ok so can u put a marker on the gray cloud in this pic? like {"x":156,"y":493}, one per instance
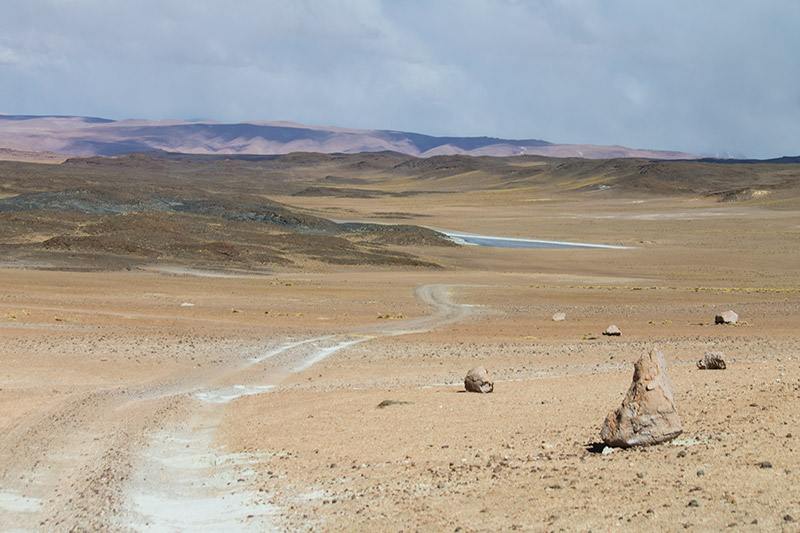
{"x":705,"y":77}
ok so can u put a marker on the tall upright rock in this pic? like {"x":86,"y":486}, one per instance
{"x":647,"y":414}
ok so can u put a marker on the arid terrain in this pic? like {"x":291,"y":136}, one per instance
{"x":280,"y":344}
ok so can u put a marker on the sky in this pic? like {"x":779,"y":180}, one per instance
{"x":710,"y":77}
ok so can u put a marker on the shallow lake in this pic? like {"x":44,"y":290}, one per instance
{"x":509,"y":242}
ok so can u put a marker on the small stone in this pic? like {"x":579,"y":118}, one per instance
{"x":479,"y":380}
{"x":728,"y":317}
{"x":712,"y":361}
{"x":765,"y":464}
{"x":701,"y":473}
{"x":682,"y":453}
{"x":788,"y":518}
{"x":612,"y":331}
{"x":693,"y":503}
{"x":559,"y":317}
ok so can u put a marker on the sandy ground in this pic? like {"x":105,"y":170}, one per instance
{"x":179,"y":399}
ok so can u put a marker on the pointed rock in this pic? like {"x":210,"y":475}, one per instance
{"x":712,"y":361}
{"x":728,"y":317}
{"x":612,"y":331}
{"x":478,"y":380}
{"x":647,"y":414}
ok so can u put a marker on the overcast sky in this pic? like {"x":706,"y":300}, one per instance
{"x":702,"y":76}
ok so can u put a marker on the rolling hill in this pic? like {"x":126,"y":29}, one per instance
{"x":89,"y":136}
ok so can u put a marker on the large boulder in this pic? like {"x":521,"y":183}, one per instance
{"x":712,"y":361}
{"x":478,"y":380}
{"x":728,"y":317}
{"x":647,"y":414}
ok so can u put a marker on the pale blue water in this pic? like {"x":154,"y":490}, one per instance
{"x":508,"y":242}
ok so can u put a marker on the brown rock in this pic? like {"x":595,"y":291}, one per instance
{"x":728,"y":317}
{"x":479,"y":380}
{"x":647,"y":414}
{"x":712,"y":361}
{"x":558,"y":317}
{"x":613,"y":331}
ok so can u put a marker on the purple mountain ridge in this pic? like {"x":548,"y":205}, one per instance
{"x":88,"y":136}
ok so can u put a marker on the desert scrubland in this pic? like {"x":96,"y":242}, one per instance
{"x":241,"y":362}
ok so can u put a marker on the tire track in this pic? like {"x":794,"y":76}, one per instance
{"x":184,"y":483}
{"x":129,"y":458}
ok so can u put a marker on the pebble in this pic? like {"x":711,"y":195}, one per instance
{"x":701,"y":473}
{"x":693,"y":503}
{"x":682,"y":453}
{"x":765,"y":464}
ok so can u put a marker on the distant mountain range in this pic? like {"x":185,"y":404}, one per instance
{"x":89,"y":136}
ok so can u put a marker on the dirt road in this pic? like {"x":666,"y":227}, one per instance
{"x":143,"y":456}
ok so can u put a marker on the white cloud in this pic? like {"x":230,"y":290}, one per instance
{"x":687,"y":75}
{"x":9,"y":56}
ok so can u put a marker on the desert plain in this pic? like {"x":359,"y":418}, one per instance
{"x":206,"y":389}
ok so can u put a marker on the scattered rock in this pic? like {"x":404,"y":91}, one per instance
{"x":693,"y":503}
{"x":647,"y":415}
{"x":728,"y":317}
{"x":479,"y":380}
{"x":558,"y":317}
{"x":765,"y":464}
{"x":712,"y":361}
{"x":612,"y":331}
{"x":788,"y":518}
{"x":387,"y":403}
